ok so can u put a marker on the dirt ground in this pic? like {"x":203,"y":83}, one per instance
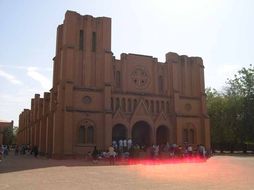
{"x":219,"y":172}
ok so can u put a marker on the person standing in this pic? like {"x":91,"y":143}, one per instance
{"x":36,"y":151}
{"x":129,"y":142}
{"x":95,"y":155}
{"x":124,"y":145}
{"x":156,"y":151}
{"x":17,"y":150}
{"x":121,"y":145}
{"x":5,"y":151}
{"x":1,"y":152}
{"x":189,"y":151}
{"x":114,"y":144}
{"x":112,"y":155}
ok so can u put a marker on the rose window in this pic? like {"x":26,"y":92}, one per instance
{"x":140,"y":78}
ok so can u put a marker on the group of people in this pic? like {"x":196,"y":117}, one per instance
{"x":110,"y":154}
{"x":117,"y":148}
{"x":187,"y":150}
{"x":128,"y":148}
{"x":4,"y":149}
{"x":123,"y":144}
{"x":26,"y":148}
{"x":124,"y":149}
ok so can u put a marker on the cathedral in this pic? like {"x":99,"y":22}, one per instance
{"x":96,"y":98}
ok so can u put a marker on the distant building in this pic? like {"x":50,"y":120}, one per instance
{"x":3,"y":126}
{"x":97,"y":98}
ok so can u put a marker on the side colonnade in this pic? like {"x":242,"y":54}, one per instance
{"x":36,"y":125}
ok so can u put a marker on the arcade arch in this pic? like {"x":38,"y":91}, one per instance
{"x":119,"y":132}
{"x":141,"y":133}
{"x":162,"y":135}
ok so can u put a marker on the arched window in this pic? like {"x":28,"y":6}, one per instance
{"x":86,"y":132}
{"x":157,"y":107}
{"x":90,"y":134}
{"x":191,"y":136}
{"x":129,"y":105}
{"x":82,"y":134}
{"x":118,"y":79}
{"x":152,"y":106}
{"x":123,"y":106}
{"x":117,"y":103}
{"x":185,"y":135}
{"x":161,"y":84}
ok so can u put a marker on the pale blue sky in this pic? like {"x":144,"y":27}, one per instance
{"x":219,"y":31}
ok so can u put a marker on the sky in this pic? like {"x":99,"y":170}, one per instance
{"x":219,"y":31}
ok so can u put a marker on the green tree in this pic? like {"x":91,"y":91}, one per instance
{"x":242,"y":87}
{"x":8,"y":135}
{"x":216,"y":105}
{"x":232,"y":112}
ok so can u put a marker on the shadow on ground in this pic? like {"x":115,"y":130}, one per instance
{"x":15,"y":163}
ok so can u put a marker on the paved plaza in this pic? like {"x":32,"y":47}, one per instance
{"x":219,"y":172}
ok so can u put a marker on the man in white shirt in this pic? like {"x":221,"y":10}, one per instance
{"x":125,"y":145}
{"x":189,"y":150}
{"x":129,"y":144}
{"x":112,"y":155}
{"x":121,"y":145}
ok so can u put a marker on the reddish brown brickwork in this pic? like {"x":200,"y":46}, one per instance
{"x":96,"y":98}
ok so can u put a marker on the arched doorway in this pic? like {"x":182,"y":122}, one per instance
{"x":162,"y":135}
{"x":119,"y":131}
{"x":141,"y":133}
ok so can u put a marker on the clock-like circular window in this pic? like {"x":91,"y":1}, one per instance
{"x":87,"y":99}
{"x":140,"y":78}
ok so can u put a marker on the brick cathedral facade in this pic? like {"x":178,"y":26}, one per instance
{"x":96,"y":98}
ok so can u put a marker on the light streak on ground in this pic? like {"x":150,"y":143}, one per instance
{"x":212,"y":172}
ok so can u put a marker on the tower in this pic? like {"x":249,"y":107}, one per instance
{"x":82,"y":63}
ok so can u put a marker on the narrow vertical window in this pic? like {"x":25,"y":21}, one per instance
{"x":152,"y":107}
{"x":161,"y":84}
{"x":147,"y":104}
{"x":163,"y":106}
{"x":157,"y":107}
{"x":114,"y":72}
{"x":135,"y":104}
{"x":117,"y":103}
{"x":90,"y":135}
{"x":191,"y":136}
{"x":94,"y":41}
{"x":123,"y":105}
{"x":81,"y":39}
{"x":168,"y":107}
{"x":118,"y":79}
{"x":112,"y":104}
{"x":185,"y":135}
{"x":129,"y":105}
{"x":82,"y":134}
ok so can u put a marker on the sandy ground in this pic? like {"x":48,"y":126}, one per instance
{"x":219,"y":172}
